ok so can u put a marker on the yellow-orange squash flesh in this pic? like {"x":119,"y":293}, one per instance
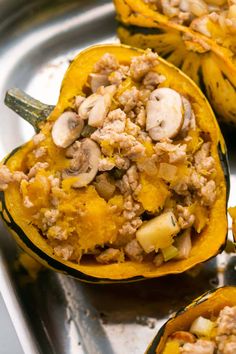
{"x":209,"y":242}
{"x":208,"y":305}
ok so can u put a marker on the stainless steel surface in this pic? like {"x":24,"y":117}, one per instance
{"x":56,"y":314}
{"x":9,"y":342}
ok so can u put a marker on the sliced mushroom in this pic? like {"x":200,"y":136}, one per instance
{"x":87,"y":105}
{"x":78,"y":100}
{"x":187,"y":115}
{"x":84,"y":165}
{"x":67,"y":129}
{"x":96,"y":106}
{"x":164,"y":114}
{"x":71,"y":151}
{"x":98,"y":80}
{"x":99,"y":111}
{"x":189,"y":118}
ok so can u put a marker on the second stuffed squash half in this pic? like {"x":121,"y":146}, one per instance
{"x":207,"y":325}
{"x":197,"y":36}
{"x":126,"y":179}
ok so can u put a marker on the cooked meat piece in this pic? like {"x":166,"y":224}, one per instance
{"x":108,"y":256}
{"x":200,"y":347}
{"x":134,"y":251}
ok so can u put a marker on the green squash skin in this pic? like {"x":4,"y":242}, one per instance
{"x":153,"y":346}
{"x":59,"y":266}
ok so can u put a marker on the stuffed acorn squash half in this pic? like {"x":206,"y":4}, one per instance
{"x":126,"y":178}
{"x":207,"y":326}
{"x":198,"y":36}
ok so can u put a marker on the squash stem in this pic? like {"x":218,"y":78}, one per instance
{"x":30,"y":109}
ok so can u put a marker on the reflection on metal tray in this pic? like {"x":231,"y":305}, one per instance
{"x":56,"y":314}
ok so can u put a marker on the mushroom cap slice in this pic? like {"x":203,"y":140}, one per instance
{"x":96,"y":106}
{"x":99,"y":111}
{"x":164,"y":114}
{"x":87,"y":105}
{"x":66,"y":129}
{"x":89,"y":168}
{"x":189,"y":117}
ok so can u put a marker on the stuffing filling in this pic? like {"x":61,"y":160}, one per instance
{"x":199,"y":14}
{"x":206,"y":336}
{"x":126,"y":174}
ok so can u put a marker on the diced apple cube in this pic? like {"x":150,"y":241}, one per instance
{"x":202,"y":327}
{"x":158,"y":232}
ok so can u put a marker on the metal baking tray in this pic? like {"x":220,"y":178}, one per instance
{"x":56,"y":314}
